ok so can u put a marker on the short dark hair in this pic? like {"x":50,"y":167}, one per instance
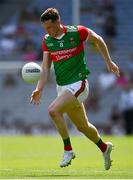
{"x":50,"y":13}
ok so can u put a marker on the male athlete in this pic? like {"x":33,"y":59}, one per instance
{"x":63,"y":46}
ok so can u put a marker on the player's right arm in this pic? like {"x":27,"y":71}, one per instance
{"x":37,"y":93}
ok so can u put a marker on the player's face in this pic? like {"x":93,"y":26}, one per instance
{"x":52,"y":28}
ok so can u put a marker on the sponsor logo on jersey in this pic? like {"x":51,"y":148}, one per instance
{"x":63,"y":52}
{"x":50,"y":44}
{"x":66,"y":54}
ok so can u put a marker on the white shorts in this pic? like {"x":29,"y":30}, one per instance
{"x":79,"y":89}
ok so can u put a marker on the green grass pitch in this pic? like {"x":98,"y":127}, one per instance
{"x":39,"y":157}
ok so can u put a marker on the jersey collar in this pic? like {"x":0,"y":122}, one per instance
{"x":64,"y":32}
{"x":64,"y":28}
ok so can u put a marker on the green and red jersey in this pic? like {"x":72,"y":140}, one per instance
{"x":67,"y":54}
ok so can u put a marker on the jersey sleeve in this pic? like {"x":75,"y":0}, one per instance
{"x":44,"y":47}
{"x":83,"y":32}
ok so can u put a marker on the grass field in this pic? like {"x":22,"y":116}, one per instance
{"x":39,"y":157}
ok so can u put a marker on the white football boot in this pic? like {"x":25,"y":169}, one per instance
{"x":67,"y":158}
{"x":106,"y":156}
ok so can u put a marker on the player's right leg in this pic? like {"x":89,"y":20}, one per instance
{"x":79,"y":118}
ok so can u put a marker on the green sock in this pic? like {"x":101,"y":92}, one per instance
{"x":67,"y":144}
{"x":102,"y":146}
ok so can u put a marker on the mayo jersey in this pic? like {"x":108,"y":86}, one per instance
{"x":67,"y":54}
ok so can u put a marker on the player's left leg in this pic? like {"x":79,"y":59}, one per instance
{"x":79,"y":118}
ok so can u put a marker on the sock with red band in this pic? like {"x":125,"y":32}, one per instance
{"x":102,"y":146}
{"x":67,"y":144}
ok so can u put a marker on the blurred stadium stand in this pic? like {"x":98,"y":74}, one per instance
{"x":20,"y":41}
{"x":7,"y":8}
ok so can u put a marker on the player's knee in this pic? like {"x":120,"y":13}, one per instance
{"x":52,"y":110}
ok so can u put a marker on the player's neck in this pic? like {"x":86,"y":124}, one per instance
{"x":60,"y":32}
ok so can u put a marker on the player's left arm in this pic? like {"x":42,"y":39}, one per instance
{"x":102,"y":48}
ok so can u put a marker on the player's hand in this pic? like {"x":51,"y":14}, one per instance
{"x":36,"y":97}
{"x":112,"y":67}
